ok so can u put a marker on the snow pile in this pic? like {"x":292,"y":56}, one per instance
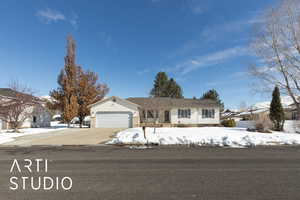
{"x":8,"y":136}
{"x":207,"y":136}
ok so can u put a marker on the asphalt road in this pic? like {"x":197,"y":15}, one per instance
{"x":101,"y":172}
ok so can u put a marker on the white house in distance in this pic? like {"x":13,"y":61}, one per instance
{"x":115,"y":112}
{"x":262,"y":109}
{"x":40,"y":116}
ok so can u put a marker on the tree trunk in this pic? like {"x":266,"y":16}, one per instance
{"x":81,"y":121}
{"x":298,"y":112}
{"x":14,"y":126}
{"x":282,"y":126}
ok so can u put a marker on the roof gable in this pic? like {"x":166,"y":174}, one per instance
{"x":123,"y":102}
{"x":7,"y":92}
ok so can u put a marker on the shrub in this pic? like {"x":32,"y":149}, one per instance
{"x":182,"y":125}
{"x":276,"y":111}
{"x":263,"y":124}
{"x":229,"y":123}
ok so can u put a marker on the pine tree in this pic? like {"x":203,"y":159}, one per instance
{"x":165,"y":87}
{"x":173,"y":90}
{"x":160,"y":84}
{"x":213,"y":95}
{"x":276,"y":111}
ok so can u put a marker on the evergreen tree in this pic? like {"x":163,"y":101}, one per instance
{"x":213,"y":95}
{"x":165,"y":87}
{"x":173,"y":90}
{"x":276,"y":111}
{"x":160,"y":84}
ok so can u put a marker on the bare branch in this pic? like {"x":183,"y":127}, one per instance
{"x":277,"y":45}
{"x":17,"y":106}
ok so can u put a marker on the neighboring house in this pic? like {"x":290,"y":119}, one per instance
{"x":40,"y":116}
{"x":251,"y":114}
{"x":292,"y":112}
{"x":289,"y":114}
{"x":228,"y":114}
{"x":55,"y":113}
{"x":263,"y":109}
{"x":134,"y":112}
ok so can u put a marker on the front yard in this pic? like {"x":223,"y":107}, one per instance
{"x":207,"y":136}
{"x":9,"y":136}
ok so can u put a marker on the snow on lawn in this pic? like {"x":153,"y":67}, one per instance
{"x":207,"y":136}
{"x":8,"y":136}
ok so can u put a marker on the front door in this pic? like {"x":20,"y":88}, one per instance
{"x":167,"y":116}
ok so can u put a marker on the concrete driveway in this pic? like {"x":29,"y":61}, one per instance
{"x":72,"y":136}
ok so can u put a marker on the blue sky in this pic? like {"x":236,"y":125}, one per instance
{"x":203,"y":44}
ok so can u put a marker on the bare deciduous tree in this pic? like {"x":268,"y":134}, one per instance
{"x":278,"y":46}
{"x":16,"y":107}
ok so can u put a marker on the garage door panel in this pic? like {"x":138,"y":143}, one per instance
{"x":113,"y":120}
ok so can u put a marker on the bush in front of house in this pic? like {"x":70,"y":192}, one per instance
{"x":229,"y":123}
{"x":263,"y":124}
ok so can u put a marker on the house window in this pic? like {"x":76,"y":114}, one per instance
{"x":184,"y":113}
{"x":294,"y":116}
{"x":151,"y":114}
{"x":208,"y":113}
{"x":34,"y":119}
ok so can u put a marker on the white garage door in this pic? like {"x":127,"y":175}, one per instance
{"x":113,"y":120}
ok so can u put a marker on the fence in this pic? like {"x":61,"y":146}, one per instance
{"x":290,"y":126}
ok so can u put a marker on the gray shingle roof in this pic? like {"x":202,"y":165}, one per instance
{"x":7,"y":92}
{"x":168,"y":103}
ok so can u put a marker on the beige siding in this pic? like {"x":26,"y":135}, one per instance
{"x":111,"y":106}
{"x":136,"y":121}
{"x":215,"y":120}
{"x":118,"y":105}
{"x":196,"y":117}
{"x":192,"y":120}
{"x":93,"y":122}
